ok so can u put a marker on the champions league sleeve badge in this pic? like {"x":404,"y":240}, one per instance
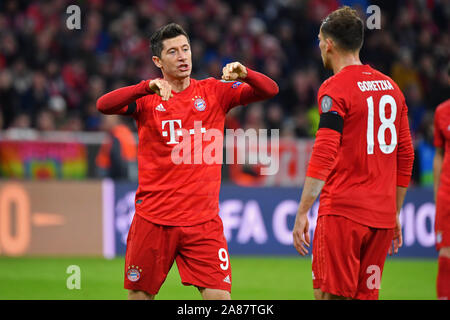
{"x":326,"y":104}
{"x":236,"y":84}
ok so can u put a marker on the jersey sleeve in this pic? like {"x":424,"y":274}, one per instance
{"x":332,"y":110}
{"x":331,"y":100}
{"x":136,"y":107}
{"x":324,"y":154}
{"x":438,"y":136}
{"x":405,"y":153}
{"x":229,"y":93}
{"x":257,"y":87}
{"x":122,"y":101}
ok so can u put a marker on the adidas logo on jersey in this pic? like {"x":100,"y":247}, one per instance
{"x":227,"y":279}
{"x":160,"y":107}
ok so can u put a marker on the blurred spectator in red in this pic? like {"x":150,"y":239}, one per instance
{"x":75,"y":78}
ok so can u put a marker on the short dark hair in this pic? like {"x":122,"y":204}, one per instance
{"x":168,"y":31}
{"x":345,"y":27}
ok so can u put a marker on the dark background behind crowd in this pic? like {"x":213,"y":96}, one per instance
{"x":51,"y":76}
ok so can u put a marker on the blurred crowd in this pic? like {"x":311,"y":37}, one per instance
{"x":51,"y":76}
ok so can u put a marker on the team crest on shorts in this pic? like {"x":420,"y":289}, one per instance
{"x":199,"y":103}
{"x":134,"y":273}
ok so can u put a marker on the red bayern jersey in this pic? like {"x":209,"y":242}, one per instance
{"x":363,"y":165}
{"x":180,"y":194}
{"x":442,"y":140}
{"x":184,"y":191}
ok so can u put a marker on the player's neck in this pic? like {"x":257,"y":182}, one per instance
{"x":342,"y":61}
{"x":178,"y":85}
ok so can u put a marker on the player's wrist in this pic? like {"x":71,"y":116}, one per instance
{"x":244,"y":73}
{"x":302,"y":210}
{"x":148,"y":88}
{"x":301,"y":214}
{"x":248,"y":74}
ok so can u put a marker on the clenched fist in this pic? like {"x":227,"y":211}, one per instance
{"x":162,"y":88}
{"x":234,"y":71}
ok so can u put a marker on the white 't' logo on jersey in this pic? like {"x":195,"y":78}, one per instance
{"x":174,"y":133}
{"x":171,"y":133}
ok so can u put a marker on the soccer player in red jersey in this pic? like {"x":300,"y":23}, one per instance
{"x":177,"y":204}
{"x":361,"y":164}
{"x":441,"y":170}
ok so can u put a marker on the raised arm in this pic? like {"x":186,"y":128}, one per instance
{"x":120,"y":101}
{"x":259,"y":86}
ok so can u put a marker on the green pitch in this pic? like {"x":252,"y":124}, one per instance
{"x":287,"y":278}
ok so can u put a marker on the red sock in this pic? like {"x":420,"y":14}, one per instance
{"x":443,"y":279}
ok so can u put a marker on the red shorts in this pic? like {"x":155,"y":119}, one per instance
{"x":442,"y":221}
{"x":348,"y":257}
{"x":200,"y":251}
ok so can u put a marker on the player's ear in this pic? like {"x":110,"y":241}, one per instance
{"x":157,"y":61}
{"x":329,"y":44}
